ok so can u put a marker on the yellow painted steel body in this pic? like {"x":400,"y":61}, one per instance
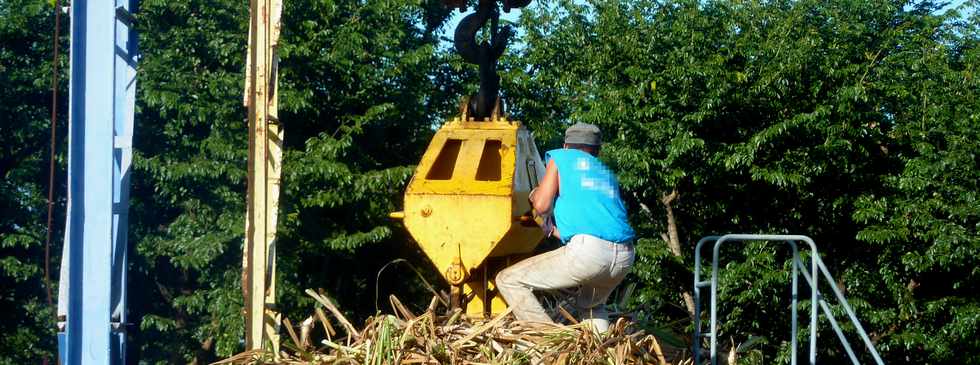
{"x":465,"y":202}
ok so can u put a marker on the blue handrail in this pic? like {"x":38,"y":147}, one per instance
{"x":815,"y":264}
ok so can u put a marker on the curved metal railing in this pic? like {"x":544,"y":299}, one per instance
{"x":811,"y":278}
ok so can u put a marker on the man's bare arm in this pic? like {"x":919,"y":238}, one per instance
{"x":543,"y":197}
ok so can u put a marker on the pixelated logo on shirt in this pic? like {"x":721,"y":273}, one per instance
{"x":602,"y":182}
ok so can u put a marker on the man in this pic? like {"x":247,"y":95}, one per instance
{"x":590,"y":220}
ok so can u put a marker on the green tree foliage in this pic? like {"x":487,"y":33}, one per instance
{"x":26,"y":322}
{"x":924,"y":221}
{"x":852,"y":122}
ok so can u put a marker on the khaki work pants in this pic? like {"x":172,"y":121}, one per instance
{"x":593,"y":265}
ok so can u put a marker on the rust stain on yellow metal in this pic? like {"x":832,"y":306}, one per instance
{"x":464,"y":203}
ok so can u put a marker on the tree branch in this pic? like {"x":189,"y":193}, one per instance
{"x":674,"y":242}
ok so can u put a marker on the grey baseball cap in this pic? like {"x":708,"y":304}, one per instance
{"x":583,"y":133}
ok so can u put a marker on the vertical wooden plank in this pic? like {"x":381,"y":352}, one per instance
{"x":273,"y":176}
{"x":256,"y":234}
{"x":265,"y":170}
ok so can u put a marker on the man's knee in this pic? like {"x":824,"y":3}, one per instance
{"x":506,"y":278}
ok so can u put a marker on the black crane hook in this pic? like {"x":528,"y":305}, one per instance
{"x":486,"y":53}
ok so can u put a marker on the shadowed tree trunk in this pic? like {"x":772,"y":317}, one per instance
{"x":672,"y":239}
{"x":674,"y":242}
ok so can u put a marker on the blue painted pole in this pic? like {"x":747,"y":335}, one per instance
{"x":124,"y":97}
{"x":90,"y":184}
{"x":102,"y":94}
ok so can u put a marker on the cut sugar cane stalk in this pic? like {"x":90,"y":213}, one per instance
{"x":457,"y":339}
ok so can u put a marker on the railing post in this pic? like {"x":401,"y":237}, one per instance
{"x":698,"y":284}
{"x":847,"y":309}
{"x":830,"y":317}
{"x":794,"y":326}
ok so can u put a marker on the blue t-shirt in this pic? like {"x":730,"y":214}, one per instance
{"x":588,"y":199}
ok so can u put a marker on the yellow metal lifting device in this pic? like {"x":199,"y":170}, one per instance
{"x":265,"y":137}
{"x":467,"y":206}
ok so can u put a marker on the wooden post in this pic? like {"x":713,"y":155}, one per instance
{"x":264,"y":171}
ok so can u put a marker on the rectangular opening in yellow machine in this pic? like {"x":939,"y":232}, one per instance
{"x":489,"y":168}
{"x":445,"y":164}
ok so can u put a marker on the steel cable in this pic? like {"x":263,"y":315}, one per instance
{"x":54,"y":123}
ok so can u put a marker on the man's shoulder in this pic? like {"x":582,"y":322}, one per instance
{"x":556,"y":151}
{"x":565,"y":153}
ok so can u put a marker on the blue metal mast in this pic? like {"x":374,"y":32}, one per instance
{"x":92,"y":293}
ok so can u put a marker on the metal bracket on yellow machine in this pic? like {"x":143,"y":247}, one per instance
{"x":456,"y":275}
{"x":467,"y":113}
{"x":486,"y":53}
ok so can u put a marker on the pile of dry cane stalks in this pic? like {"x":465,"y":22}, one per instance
{"x":438,"y":337}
